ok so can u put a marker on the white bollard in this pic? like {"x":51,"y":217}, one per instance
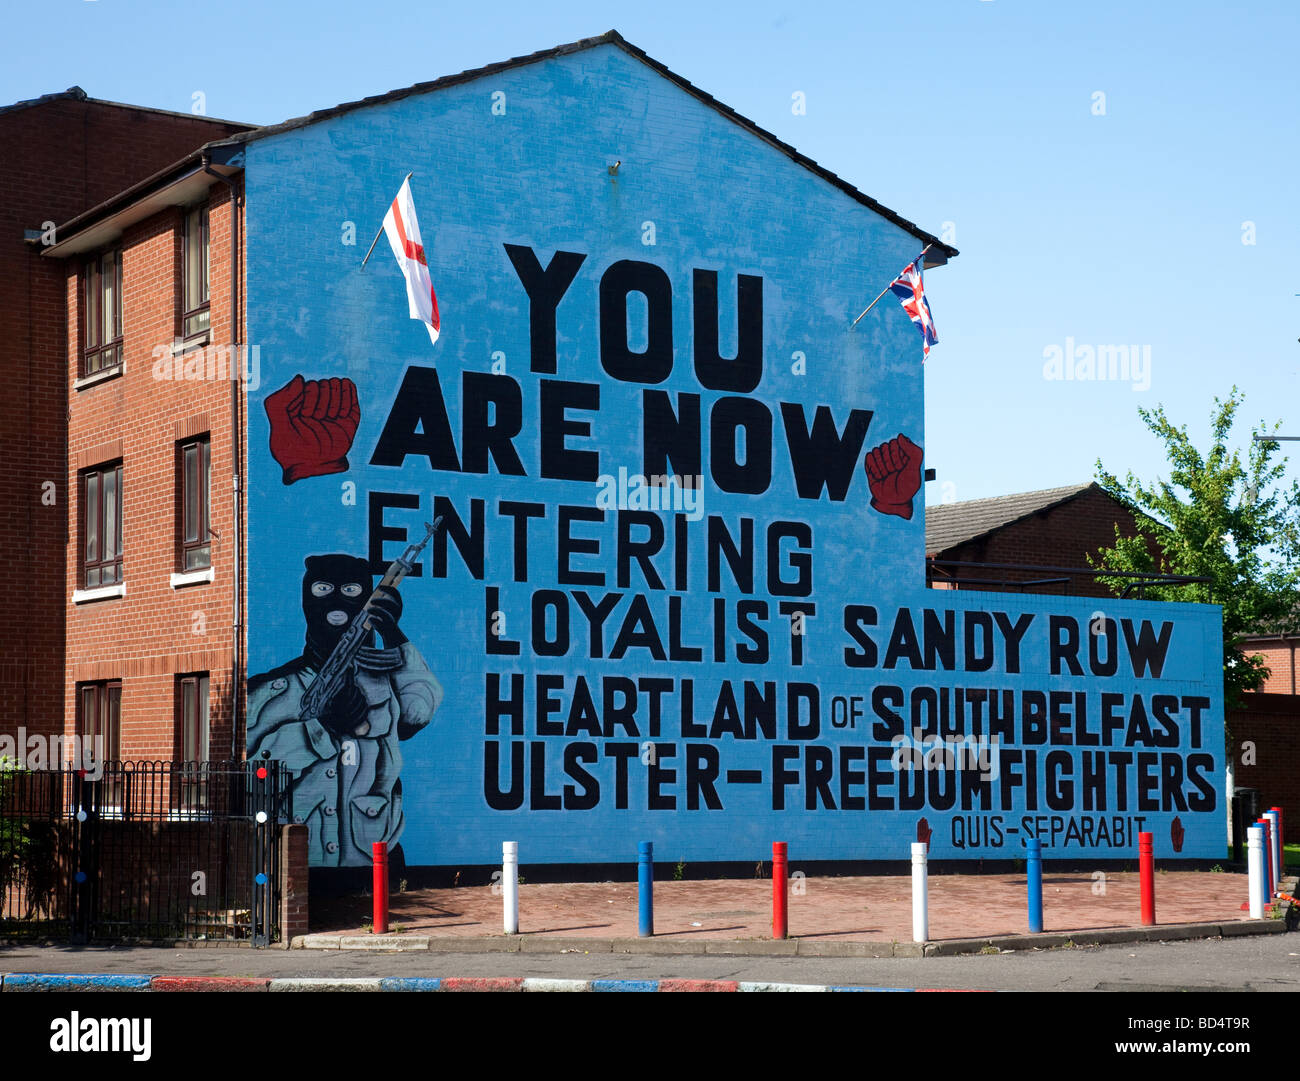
{"x":510,"y":885}
{"x":1256,"y":871}
{"x":1229,"y":788}
{"x":920,"y":900}
{"x":1275,"y":836}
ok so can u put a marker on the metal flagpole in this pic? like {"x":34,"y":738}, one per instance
{"x":881,"y":293}
{"x":371,"y":249}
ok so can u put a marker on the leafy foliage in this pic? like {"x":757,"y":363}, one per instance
{"x":26,"y":848}
{"x":1220,"y":517}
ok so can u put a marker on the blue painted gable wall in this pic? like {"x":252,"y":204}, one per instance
{"x":535,"y":173}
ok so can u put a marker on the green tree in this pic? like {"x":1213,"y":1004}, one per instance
{"x":1220,"y":517}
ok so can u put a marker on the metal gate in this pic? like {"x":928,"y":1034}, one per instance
{"x":143,"y":851}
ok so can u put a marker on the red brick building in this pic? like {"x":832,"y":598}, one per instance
{"x":64,"y":154}
{"x":154,"y":607}
{"x":1052,"y":528}
{"x":1279,"y":652}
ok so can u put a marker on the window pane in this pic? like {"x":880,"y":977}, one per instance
{"x":117,"y":308}
{"x":189,"y":720}
{"x":193,"y":261}
{"x":92,"y":512}
{"x":112,"y":519}
{"x":203,"y":258}
{"x":196,"y":323}
{"x":202,"y":747}
{"x":113,"y":723}
{"x":205,"y":499}
{"x":192,"y":493}
{"x":92,"y":306}
{"x":108,"y":279}
{"x":86,"y":720}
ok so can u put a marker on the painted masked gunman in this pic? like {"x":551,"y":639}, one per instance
{"x":345,"y":760}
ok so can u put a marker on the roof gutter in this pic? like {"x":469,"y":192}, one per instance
{"x":180,"y":184}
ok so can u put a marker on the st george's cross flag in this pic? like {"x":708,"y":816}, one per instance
{"x":403,"y":231}
{"x":910,"y":289}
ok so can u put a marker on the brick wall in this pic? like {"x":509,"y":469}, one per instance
{"x":156,"y":631}
{"x":61,"y":158}
{"x":1061,"y":536}
{"x":294,"y":911}
{"x":1280,"y":656}
{"x":1266,"y":729}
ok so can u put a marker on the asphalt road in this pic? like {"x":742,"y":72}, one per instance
{"x":1262,"y":963}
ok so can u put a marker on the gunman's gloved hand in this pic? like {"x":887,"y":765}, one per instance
{"x":385,"y":610}
{"x":345,"y":713}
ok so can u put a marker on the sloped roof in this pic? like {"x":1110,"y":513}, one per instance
{"x":939,"y":252}
{"x":75,"y":93}
{"x":950,"y":524}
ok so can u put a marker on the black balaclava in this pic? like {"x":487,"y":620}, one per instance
{"x":350,"y":585}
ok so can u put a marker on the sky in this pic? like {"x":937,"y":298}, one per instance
{"x":1115,"y":174}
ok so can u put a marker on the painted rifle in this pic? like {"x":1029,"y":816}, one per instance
{"x":340,"y":665}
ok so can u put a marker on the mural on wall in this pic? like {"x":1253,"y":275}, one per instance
{"x":335,"y":714}
{"x":678,"y":590}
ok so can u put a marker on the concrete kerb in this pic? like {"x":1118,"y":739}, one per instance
{"x":41,"y":981}
{"x":803,"y":947}
{"x":384,"y":942}
{"x":538,"y":944}
{"x":314,"y":983}
{"x":494,"y":944}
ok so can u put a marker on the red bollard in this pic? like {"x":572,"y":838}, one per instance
{"x":380,"y":850}
{"x":1147,"y":873}
{"x":780,"y":926}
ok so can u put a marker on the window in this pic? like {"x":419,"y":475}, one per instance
{"x":195,"y":462}
{"x":101,"y":526}
{"x":99,"y":716}
{"x":102,"y":336}
{"x":194,"y":284}
{"x":192,"y":725}
{"x":99,"y":729}
{"x":192,"y":699}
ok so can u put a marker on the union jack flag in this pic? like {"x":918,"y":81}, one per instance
{"x":910,"y":289}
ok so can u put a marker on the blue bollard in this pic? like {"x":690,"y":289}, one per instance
{"x":645,"y":889}
{"x":1034,"y":875}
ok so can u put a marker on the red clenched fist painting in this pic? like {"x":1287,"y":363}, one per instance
{"x":1177,"y":833}
{"x":894,"y":473}
{"x":923,"y":831}
{"x":312,"y":425}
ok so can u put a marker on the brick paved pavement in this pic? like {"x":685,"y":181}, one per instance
{"x":870,"y":909}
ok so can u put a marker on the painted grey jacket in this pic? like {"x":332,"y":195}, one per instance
{"x":347,"y":789}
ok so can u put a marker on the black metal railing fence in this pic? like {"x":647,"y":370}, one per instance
{"x":143,"y":850}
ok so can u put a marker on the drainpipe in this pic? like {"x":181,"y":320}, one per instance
{"x":237,"y":453}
